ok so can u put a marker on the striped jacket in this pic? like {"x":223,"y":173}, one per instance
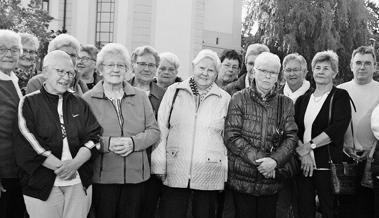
{"x":41,"y":136}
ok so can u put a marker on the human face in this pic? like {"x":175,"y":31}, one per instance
{"x":70,"y":51}
{"x":29,"y":54}
{"x":363,"y":67}
{"x":266,"y":75}
{"x":293,"y":74}
{"x":113,"y":69}
{"x":9,"y":54}
{"x":229,"y":70}
{"x":323,"y":73}
{"x":145,"y":67}
{"x":166,"y":72}
{"x":60,"y":75}
{"x":250,"y":60}
{"x":85,"y":64}
{"x":205,"y":73}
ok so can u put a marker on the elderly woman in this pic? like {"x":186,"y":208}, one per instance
{"x":27,"y":64}
{"x":260,"y":134}
{"x":168,"y":70}
{"x":86,"y":65}
{"x":71,"y":46}
{"x":56,"y":158}
{"x":129,"y":128}
{"x":191,"y":157}
{"x":319,"y":133}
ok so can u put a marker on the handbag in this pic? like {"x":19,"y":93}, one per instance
{"x":367,"y":180}
{"x":343,"y":175}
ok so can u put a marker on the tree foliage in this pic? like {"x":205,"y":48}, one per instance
{"x":309,"y":26}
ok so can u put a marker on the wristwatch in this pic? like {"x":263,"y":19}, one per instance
{"x":313,"y":145}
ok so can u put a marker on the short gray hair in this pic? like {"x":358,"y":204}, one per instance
{"x":11,"y":35}
{"x":64,"y":40}
{"x":146,"y":49}
{"x":256,"y":49}
{"x":296,"y":57}
{"x":207,"y":53}
{"x":171,"y":58}
{"x":29,"y":38}
{"x":329,"y":56}
{"x":113,"y":48}
{"x":54,"y":55}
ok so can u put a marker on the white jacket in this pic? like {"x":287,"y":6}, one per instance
{"x":193,"y":148}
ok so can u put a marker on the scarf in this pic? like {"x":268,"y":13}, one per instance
{"x":299,"y":92}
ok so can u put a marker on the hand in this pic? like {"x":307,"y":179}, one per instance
{"x":307,"y":165}
{"x":68,"y":170}
{"x":364,"y":155}
{"x":270,"y":175}
{"x":303,"y":149}
{"x":351,"y":152}
{"x":2,"y":189}
{"x":162,"y":177}
{"x":122,"y":146}
{"x":267,"y":164}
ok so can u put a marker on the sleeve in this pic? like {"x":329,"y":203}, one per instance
{"x":285,"y":150}
{"x":158,"y":156}
{"x":31,"y":150}
{"x":375,"y":122}
{"x":150,"y":135}
{"x":33,"y":85}
{"x":341,"y":116}
{"x":235,"y":141}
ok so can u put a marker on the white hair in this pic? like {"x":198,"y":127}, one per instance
{"x":56,"y":55}
{"x":170,"y":58}
{"x":63,"y":40}
{"x":27,"y":37}
{"x":207,"y":53}
{"x":113,"y":48}
{"x":9,"y":34}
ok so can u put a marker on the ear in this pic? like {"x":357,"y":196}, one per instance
{"x":45,"y":71}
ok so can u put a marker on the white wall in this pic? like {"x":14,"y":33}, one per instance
{"x":84,"y":15}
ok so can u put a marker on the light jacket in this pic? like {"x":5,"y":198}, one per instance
{"x":139,"y":124}
{"x":192,"y":151}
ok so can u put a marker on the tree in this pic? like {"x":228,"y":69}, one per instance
{"x":309,"y":26}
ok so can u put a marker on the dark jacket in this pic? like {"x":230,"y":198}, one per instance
{"x":40,"y":127}
{"x":236,"y":86}
{"x":250,"y":133}
{"x":341,"y":116}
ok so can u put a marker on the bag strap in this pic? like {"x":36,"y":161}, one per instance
{"x":172,"y":106}
{"x":329,"y":122}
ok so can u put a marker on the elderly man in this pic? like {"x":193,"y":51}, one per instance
{"x":11,"y":201}
{"x":231,"y":63}
{"x":260,"y":134}
{"x":363,"y":90}
{"x":59,"y":136}
{"x":71,"y":46}
{"x":245,"y":80}
{"x":27,"y":64}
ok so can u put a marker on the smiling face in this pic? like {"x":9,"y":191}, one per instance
{"x":85,"y":64}
{"x":205,"y":73}
{"x":29,"y":54}
{"x":293,"y":74}
{"x":59,"y":75}
{"x":145,"y":67}
{"x":363,"y":67}
{"x":323,"y":73}
{"x":9,"y":54}
{"x":166,"y":72}
{"x":113,"y":69}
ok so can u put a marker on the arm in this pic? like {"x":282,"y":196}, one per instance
{"x":234,"y":139}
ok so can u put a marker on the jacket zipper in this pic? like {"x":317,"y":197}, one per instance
{"x":194,"y":135}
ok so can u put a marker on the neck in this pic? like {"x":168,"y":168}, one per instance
{"x":262,"y":92}
{"x":322,"y":89}
{"x":221,"y":83}
{"x":112,"y":87}
{"x":87,"y":77}
{"x":363,"y":82}
{"x":163,"y":84}
{"x":295,"y":86}
{"x":142,"y":84}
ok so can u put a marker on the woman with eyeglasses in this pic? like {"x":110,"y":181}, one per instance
{"x":167,"y":72}
{"x":321,"y":130}
{"x":191,"y":156}
{"x":86,"y":65}
{"x":129,"y":128}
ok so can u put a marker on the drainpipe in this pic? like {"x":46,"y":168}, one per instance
{"x":64,"y":16}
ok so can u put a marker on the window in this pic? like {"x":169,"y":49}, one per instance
{"x":45,"y":5}
{"x":105,"y":10}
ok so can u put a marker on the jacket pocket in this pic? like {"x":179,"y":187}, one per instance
{"x":214,"y":158}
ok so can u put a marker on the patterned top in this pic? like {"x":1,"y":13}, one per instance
{"x":24,"y":75}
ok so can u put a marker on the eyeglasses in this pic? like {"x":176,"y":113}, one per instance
{"x":364,"y":63}
{"x":74,"y":56}
{"x":13,"y":51}
{"x":169,"y":69}
{"x":289,"y":70}
{"x":234,"y":67}
{"x":85,"y":59}
{"x":144,"y":64}
{"x":27,"y":51}
{"x":62,"y":73}
{"x":266,"y":72}
{"x":118,"y":66}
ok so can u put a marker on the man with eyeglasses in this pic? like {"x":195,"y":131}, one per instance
{"x":11,"y":201}
{"x":28,"y":60}
{"x":230,"y":65}
{"x":363,"y":90}
{"x":245,"y":80}
{"x":71,"y":46}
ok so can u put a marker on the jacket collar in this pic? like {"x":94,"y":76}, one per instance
{"x":98,"y":90}
{"x":155,"y":90}
{"x":215,"y":90}
{"x":258,"y":95}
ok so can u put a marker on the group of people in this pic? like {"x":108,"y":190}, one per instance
{"x":109,"y":134}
